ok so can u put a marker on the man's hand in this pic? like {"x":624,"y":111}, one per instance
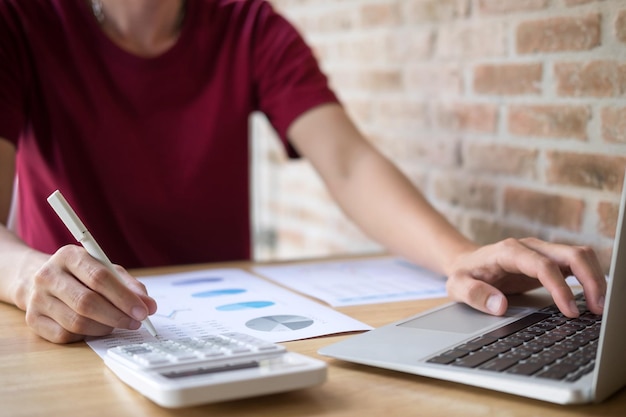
{"x":481,"y":278}
{"x":73,"y":296}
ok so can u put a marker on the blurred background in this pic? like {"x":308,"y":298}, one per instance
{"x":509,"y":115}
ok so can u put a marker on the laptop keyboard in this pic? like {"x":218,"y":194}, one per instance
{"x":545,"y":344}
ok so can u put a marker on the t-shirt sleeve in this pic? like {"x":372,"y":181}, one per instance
{"x":287,"y":76}
{"x":12,"y":73}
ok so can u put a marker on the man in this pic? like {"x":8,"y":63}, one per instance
{"x":138,"y":112}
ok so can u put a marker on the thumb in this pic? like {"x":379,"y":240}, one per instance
{"x":477,"y":294}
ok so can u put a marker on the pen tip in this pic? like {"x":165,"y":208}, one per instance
{"x":150,"y":327}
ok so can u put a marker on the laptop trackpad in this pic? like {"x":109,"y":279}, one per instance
{"x":457,"y":318}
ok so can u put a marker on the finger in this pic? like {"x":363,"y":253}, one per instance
{"x":139,"y":288}
{"x":61,"y":324}
{"x":38,"y":320}
{"x":583,"y":263}
{"x":518,"y":258}
{"x":50,"y":330}
{"x":74,"y":306}
{"x":463,"y":287}
{"x":86,"y":307}
{"x":95,"y":276}
{"x":89,"y":306}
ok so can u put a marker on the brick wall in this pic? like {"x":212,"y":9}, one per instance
{"x":510,"y":115}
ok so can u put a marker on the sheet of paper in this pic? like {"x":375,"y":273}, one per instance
{"x":213,"y":301}
{"x":352,"y":282}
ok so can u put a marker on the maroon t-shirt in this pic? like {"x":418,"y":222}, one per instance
{"x":152,"y":153}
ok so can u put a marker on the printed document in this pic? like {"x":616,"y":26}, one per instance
{"x":199,"y":303}
{"x":360,"y":281}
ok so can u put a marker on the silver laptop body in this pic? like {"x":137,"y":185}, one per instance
{"x":406,"y":345}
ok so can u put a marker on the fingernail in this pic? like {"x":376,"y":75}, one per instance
{"x":134,"y":325}
{"x":601,"y":301}
{"x":139,"y":313}
{"x":494,"y":302}
{"x":573,"y":307}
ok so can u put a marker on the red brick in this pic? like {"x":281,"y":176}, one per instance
{"x":620,"y":26}
{"x":501,"y":159}
{"x":411,"y":45}
{"x":400,"y":113}
{"x":614,"y":124}
{"x":590,"y":79}
{"x":367,"y":80}
{"x":427,"y":150}
{"x":424,"y":11}
{"x":573,"y":3}
{"x":559,"y":34}
{"x":602,"y":172}
{"x":490,"y":231}
{"x":434,"y":80}
{"x":380,"y":15}
{"x":467,"y":117}
{"x":472,"y":40}
{"x":508,"y":79}
{"x":386,"y":48}
{"x":549,"y":209}
{"x":507,"y":6}
{"x":331,"y":21}
{"x":607,"y":218}
{"x":549,"y":121}
{"x":465,"y":193}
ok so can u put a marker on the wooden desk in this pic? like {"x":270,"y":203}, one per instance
{"x":38,"y":378}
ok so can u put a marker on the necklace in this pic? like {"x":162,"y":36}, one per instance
{"x":98,"y":12}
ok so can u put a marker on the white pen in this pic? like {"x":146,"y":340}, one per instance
{"x":82,"y":235}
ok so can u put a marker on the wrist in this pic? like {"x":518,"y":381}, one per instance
{"x":20,"y":286}
{"x":457,"y":252}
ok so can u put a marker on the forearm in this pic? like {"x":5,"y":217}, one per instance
{"x":383,"y":202}
{"x":18,"y":264}
{"x":373,"y":192}
{"x":403,"y":220}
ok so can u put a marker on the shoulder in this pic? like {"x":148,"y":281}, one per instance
{"x":241,"y":7}
{"x":239,"y":14}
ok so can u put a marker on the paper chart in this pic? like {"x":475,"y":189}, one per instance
{"x":198,"y":303}
{"x":359,"y":281}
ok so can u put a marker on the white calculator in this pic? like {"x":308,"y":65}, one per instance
{"x":227,"y":366}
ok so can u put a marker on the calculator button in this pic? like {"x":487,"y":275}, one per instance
{"x":181,"y":356}
{"x":192,"y":350}
{"x":269,"y":348}
{"x":241,"y":349}
{"x":212,"y":354}
{"x":150,"y":359}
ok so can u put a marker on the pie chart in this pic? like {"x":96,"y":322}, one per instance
{"x":279,"y":323}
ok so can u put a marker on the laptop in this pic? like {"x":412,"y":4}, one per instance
{"x":531,"y":351}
